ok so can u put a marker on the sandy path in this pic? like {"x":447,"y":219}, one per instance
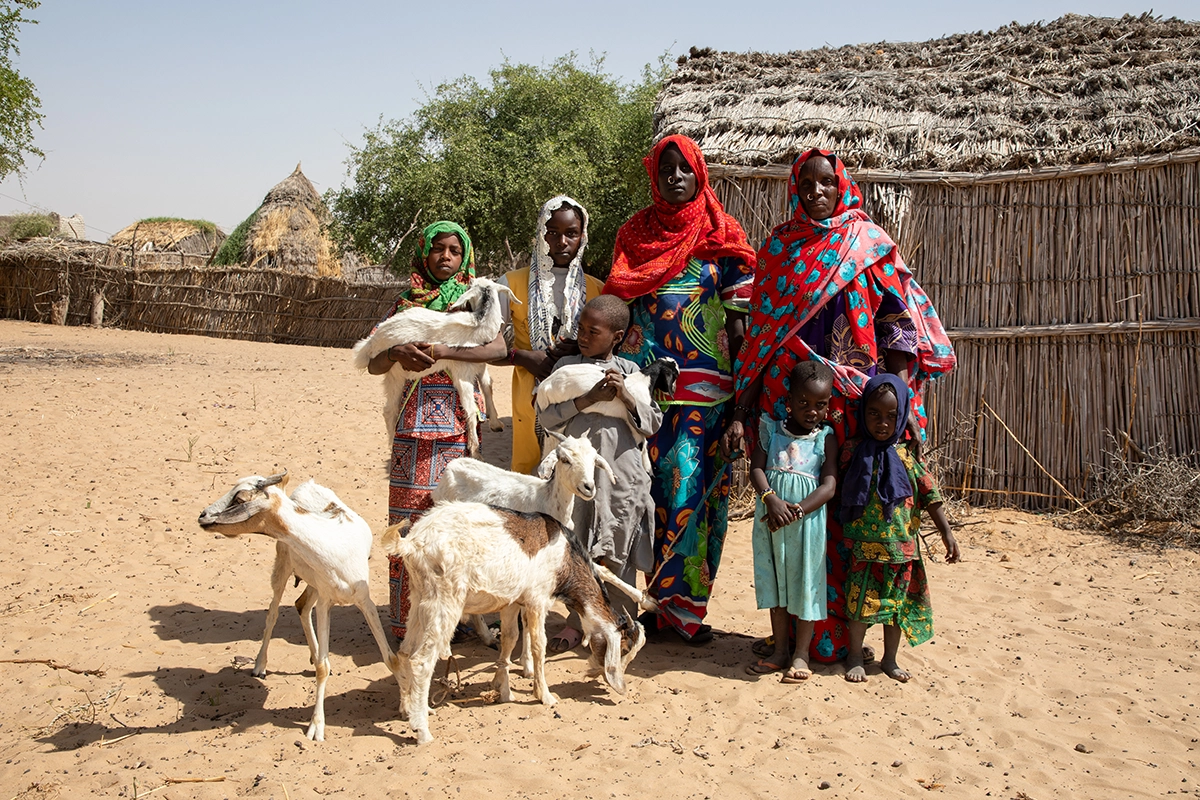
{"x":111,"y":442}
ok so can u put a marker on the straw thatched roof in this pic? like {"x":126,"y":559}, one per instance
{"x":288,"y":231}
{"x":177,"y":235}
{"x":1073,"y":91}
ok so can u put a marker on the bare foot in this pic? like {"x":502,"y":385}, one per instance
{"x":797,"y":673}
{"x":889,"y":667}
{"x":854,"y":669}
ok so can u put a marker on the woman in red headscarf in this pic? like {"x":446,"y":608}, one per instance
{"x":830,"y":285}
{"x":685,"y":268}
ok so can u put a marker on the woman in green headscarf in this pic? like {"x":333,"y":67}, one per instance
{"x":432,"y":428}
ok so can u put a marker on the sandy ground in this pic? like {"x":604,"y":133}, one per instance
{"x":1063,"y":666}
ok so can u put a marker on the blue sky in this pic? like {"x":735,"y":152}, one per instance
{"x":163,"y":108}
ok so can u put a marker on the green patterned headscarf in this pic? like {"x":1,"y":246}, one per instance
{"x":427,"y":291}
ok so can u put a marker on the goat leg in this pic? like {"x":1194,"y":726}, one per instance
{"x":489,"y":405}
{"x":644,"y":600}
{"x":279,"y":576}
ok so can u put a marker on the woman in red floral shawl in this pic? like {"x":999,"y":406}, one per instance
{"x":831,"y":286}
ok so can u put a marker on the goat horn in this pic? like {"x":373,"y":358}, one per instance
{"x":557,"y":436}
{"x":272,"y":480}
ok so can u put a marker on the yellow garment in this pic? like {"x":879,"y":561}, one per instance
{"x":525,"y":451}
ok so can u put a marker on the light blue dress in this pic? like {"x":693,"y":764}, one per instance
{"x":789,"y":564}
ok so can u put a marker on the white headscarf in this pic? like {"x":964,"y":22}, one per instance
{"x":541,"y":282}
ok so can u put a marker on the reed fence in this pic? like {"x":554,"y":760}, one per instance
{"x":78,"y":284}
{"x":1072,"y":295}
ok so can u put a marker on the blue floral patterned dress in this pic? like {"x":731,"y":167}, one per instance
{"x":685,"y":320}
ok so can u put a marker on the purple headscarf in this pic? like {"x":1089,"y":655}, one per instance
{"x":893,"y":485}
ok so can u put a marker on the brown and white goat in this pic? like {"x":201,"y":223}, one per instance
{"x":322,"y":542}
{"x":479,"y":559}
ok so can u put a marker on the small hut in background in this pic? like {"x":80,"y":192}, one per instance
{"x":1043,"y":183}
{"x":288,"y":232}
{"x":165,"y":234}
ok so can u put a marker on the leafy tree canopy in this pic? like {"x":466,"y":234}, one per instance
{"x":488,"y":156}
{"x":19,"y":102}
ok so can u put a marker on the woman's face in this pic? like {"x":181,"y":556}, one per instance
{"x":880,"y":413}
{"x":564,"y":233}
{"x":676,"y":178}
{"x":445,"y":256}
{"x":818,"y":188}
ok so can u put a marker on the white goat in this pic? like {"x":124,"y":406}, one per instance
{"x":575,"y":380}
{"x":321,"y":541}
{"x":569,"y":472}
{"x":477,"y":325}
{"x":477,"y":559}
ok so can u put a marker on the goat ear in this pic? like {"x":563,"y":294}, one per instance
{"x":545,"y":469}
{"x":603,"y":465}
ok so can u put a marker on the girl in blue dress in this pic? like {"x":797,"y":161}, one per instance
{"x":793,"y":468}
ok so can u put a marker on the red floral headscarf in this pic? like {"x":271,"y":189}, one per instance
{"x":655,"y":244}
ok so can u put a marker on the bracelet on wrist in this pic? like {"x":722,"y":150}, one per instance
{"x":765,"y":494}
{"x":512,"y":355}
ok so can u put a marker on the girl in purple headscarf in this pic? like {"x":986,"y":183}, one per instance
{"x":885,"y":487}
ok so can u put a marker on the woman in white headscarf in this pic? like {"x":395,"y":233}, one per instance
{"x":552,"y":291}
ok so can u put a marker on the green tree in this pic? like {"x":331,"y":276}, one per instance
{"x":19,"y":102}
{"x":487,"y":156}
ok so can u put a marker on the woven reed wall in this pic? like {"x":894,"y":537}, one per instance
{"x":264,"y":305}
{"x":1107,"y":266}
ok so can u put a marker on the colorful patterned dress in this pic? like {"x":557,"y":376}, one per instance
{"x":789,"y":564}
{"x":685,"y":320}
{"x":886,"y":581}
{"x":431,"y":432}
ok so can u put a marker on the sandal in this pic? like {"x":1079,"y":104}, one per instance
{"x":566,"y":639}
{"x":795,"y":676}
{"x":462,"y":632}
{"x":702,"y":636}
{"x":764,"y":648}
{"x":764,"y":668}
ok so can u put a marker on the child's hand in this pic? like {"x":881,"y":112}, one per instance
{"x":779,"y":513}
{"x":617,"y":381}
{"x":952,"y":553}
{"x":604,"y":390}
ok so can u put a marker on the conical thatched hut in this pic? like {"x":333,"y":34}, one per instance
{"x":164,"y":234}
{"x":1043,"y":182}
{"x":288,"y":231}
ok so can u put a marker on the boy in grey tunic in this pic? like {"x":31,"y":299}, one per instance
{"x":617,"y":527}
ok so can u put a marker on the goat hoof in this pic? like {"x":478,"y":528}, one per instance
{"x":423,"y":737}
{"x":496,"y":426}
{"x":259,"y":673}
{"x":315,"y":733}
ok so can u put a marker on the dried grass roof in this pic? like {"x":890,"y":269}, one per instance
{"x":1076,"y":90}
{"x":289,"y":230}
{"x":168,"y":234}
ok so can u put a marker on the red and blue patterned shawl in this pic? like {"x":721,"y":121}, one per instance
{"x":805,"y":264}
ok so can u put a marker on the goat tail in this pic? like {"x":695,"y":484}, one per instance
{"x":393,"y":539}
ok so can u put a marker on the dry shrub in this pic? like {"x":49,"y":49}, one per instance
{"x":1151,"y":492}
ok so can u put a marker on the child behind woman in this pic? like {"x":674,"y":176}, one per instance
{"x":617,"y":527}
{"x":793,"y":469}
{"x":884,"y":489}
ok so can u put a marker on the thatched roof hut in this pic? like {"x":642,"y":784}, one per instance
{"x":163,"y":234}
{"x":1042,"y":181}
{"x":288,"y":231}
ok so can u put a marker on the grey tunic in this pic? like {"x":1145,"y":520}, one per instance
{"x":618,"y":526}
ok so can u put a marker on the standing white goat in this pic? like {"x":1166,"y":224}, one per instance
{"x":322,"y":542}
{"x":575,"y":380}
{"x":474,"y":319}
{"x":477,"y":559}
{"x":570,"y":472}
